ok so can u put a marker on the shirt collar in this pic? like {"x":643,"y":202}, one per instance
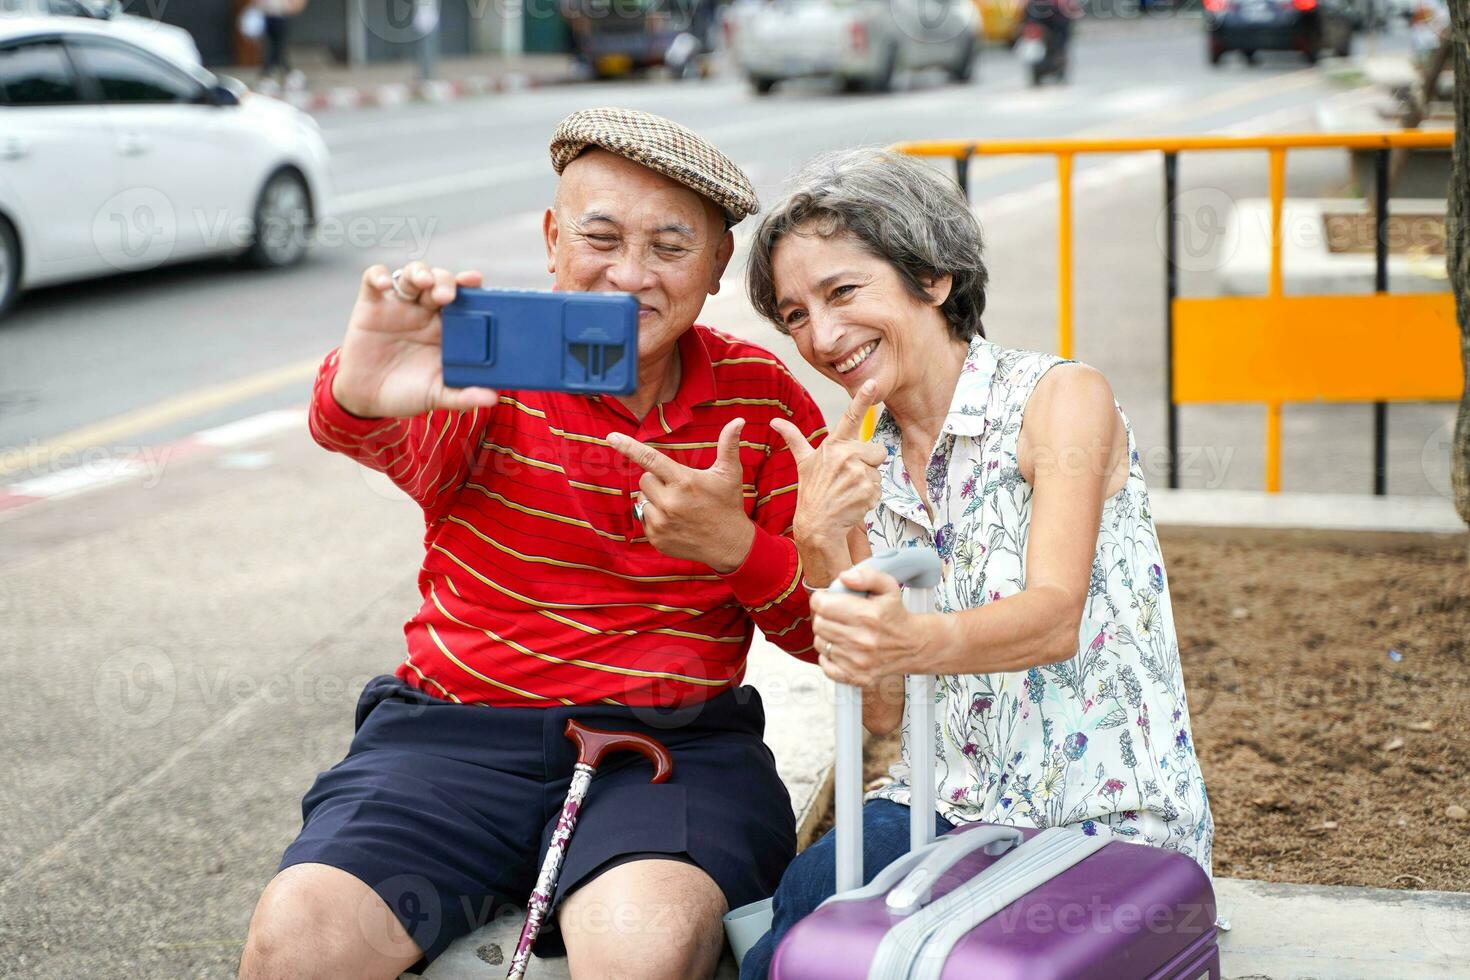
{"x":696,"y":385}
{"x":696,"y":381}
{"x":966,"y":416}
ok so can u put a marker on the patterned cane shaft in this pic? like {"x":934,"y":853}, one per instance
{"x":540,"y":902}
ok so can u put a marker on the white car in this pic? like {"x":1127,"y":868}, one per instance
{"x":168,"y":40}
{"x":863,"y":43}
{"x":116,"y":158}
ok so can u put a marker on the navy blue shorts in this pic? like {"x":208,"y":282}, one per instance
{"x":445,"y":810}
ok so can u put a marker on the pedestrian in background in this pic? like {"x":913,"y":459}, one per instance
{"x":275,"y":16}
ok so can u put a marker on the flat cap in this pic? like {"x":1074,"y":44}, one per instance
{"x":658,"y":144}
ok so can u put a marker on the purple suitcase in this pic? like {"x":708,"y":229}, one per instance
{"x":994,"y":902}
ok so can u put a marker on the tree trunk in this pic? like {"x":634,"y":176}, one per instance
{"x":1458,"y":250}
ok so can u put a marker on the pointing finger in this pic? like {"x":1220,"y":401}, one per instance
{"x":645,"y":456}
{"x":795,"y":441}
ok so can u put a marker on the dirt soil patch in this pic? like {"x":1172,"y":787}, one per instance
{"x":1329,"y":685}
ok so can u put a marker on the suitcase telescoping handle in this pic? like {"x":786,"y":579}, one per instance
{"x":917,"y":571}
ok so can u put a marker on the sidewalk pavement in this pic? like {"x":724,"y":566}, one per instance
{"x":396,"y":82}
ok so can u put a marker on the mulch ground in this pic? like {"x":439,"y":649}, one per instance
{"x":1329,"y":686}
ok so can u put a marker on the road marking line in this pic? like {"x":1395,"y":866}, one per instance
{"x":87,"y":476}
{"x":169,"y":410}
{"x":253,"y":427}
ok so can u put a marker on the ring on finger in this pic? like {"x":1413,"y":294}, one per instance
{"x":829,"y":648}
{"x":398,"y":289}
{"x":638,"y":506}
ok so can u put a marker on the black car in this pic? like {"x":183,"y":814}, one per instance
{"x":1312,"y":27}
{"x":618,"y":37}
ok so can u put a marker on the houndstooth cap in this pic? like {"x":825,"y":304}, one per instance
{"x":661,"y":145}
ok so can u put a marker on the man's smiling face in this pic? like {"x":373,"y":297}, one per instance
{"x":618,"y":226}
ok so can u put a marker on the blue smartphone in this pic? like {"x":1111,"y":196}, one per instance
{"x":514,"y":339}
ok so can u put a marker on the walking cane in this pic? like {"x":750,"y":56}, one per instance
{"x":593,"y":744}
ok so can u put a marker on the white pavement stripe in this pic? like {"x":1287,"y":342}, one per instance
{"x":253,"y":427}
{"x":79,"y":479}
{"x":427,"y":187}
{"x":95,"y":474}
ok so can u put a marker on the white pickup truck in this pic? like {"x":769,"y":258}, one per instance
{"x":863,"y":43}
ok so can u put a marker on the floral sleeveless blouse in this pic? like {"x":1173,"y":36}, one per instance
{"x":1100,"y":742}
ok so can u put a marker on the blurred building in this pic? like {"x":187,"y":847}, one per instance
{"x":362,"y":31}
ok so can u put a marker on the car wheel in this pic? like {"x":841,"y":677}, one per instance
{"x":964,"y":68}
{"x":1345,"y":48}
{"x":1250,"y":56}
{"x":762,"y":85}
{"x":9,"y":266}
{"x":1217,"y":51}
{"x":282,"y":217}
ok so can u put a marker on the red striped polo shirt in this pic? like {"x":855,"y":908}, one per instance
{"x":538,"y":585}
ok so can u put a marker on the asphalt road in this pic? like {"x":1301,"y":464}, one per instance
{"x":463,"y":184}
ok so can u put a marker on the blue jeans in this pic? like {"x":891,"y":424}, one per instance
{"x":812,"y":877}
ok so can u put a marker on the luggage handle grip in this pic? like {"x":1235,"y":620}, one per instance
{"x":917,"y":887}
{"x":917,"y":569}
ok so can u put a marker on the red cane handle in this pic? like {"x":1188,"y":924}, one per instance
{"x":595,"y":743}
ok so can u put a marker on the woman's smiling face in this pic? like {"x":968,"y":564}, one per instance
{"x":850,"y":314}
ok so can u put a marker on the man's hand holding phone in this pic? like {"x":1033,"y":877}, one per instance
{"x":391,"y":365}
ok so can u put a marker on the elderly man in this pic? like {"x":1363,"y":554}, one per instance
{"x":597,"y":558}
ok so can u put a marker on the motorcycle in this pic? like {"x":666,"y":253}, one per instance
{"x":1042,"y":54}
{"x":1043,"y":45}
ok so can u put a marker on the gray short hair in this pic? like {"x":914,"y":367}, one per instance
{"x":900,"y":210}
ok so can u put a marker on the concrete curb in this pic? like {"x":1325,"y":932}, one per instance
{"x":1309,"y":511}
{"x":388,"y":94}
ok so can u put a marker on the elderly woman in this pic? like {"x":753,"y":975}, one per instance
{"x":1061,"y":697}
